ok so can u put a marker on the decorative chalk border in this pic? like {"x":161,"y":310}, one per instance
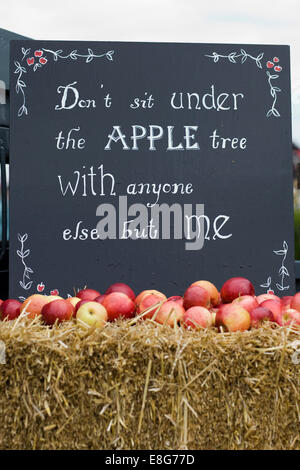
{"x":26,"y":281}
{"x":270,"y":64}
{"x":39,"y":58}
{"x":283,"y":271}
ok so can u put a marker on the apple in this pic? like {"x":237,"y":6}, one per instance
{"x":120,"y":287}
{"x":295,"y":302}
{"x":147,"y":302}
{"x":247,"y":302}
{"x":118,"y":305}
{"x":78,"y":305}
{"x":100,"y":298}
{"x":177,"y":298}
{"x":73,"y":300}
{"x":88,"y":294}
{"x":34,"y":304}
{"x":288,"y":316}
{"x":145,"y":293}
{"x":196,"y":317}
{"x":58,"y":310}
{"x":196,"y":296}
{"x":274,"y":305}
{"x":259,"y":315}
{"x":286,"y":301}
{"x":235,"y":287}
{"x":214,"y":294}
{"x":233,"y":318}
{"x":262,"y":297}
{"x":92,"y":313}
{"x":10,"y":309}
{"x":170,"y":313}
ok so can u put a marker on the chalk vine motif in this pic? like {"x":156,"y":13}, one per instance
{"x":283,"y":271}
{"x":243,"y":56}
{"x":23,"y":253}
{"x":39,"y":59}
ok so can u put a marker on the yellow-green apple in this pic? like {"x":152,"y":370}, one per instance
{"x":232,"y":317}
{"x":87,"y":294}
{"x":246,"y":301}
{"x":288,"y":317}
{"x":74,"y":300}
{"x":170,"y":313}
{"x":57,"y":311}
{"x":198,"y":317}
{"x":274,"y":305}
{"x":262,"y":297}
{"x":78,"y":305}
{"x":295,"y":302}
{"x":33,"y":305}
{"x":196,"y":296}
{"x":148,"y":301}
{"x":235,"y":287}
{"x":92,"y":314}
{"x":176,"y":298}
{"x":118,"y":305}
{"x":145,"y":293}
{"x":10,"y":309}
{"x":121,"y":287}
{"x":259,"y":315}
{"x":214,"y":294}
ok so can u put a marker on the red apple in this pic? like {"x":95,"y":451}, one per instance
{"x":262,"y":297}
{"x":295,"y":302}
{"x":58,"y":310}
{"x":78,"y":305}
{"x":10,"y":309}
{"x":34,"y":304}
{"x":170,"y":313}
{"x":145,"y":293}
{"x":92,"y":313}
{"x":273,"y":305}
{"x":288,"y":316}
{"x":149,"y":301}
{"x":196,"y":317}
{"x":214,"y":294}
{"x":235,"y":287}
{"x":120,"y":287}
{"x":177,"y":298}
{"x":232,"y":317}
{"x":259,"y":315}
{"x":196,"y":296}
{"x":247,"y":302}
{"x":118,"y":305}
{"x":88,"y":294}
{"x":286,"y":301}
{"x":100,"y":298}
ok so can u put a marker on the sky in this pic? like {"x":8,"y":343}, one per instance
{"x":214,"y":21}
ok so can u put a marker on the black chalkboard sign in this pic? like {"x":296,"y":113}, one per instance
{"x":151,"y":164}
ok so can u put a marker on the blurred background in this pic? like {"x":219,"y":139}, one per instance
{"x":216,"y":21}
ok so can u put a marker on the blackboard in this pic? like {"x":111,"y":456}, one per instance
{"x":178,"y":166}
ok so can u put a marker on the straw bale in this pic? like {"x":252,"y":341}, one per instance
{"x":139,"y":385}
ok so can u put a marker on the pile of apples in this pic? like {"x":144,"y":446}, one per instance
{"x":234,"y":308}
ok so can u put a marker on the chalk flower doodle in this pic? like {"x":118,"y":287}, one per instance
{"x":283,"y":271}
{"x":23,"y":253}
{"x":241,"y":57}
{"x":37,"y":59}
